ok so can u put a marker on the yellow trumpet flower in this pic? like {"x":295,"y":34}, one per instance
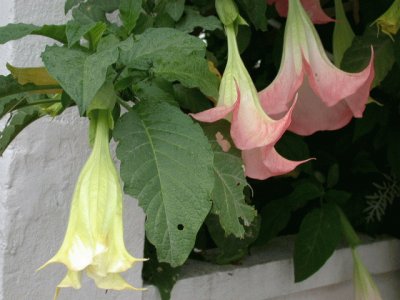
{"x":94,"y":239}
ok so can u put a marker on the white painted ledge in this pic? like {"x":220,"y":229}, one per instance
{"x":268,"y":274}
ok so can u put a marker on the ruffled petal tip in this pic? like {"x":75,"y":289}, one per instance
{"x":265,"y":162}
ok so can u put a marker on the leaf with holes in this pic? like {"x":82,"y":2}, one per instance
{"x":320,"y":233}
{"x":227,"y":196}
{"x":166,"y":162}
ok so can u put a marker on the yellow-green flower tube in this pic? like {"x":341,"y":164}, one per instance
{"x":94,"y":239}
{"x":389,"y":22}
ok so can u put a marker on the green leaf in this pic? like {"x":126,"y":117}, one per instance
{"x":174,"y":56}
{"x":11,"y":103}
{"x":333,"y":176}
{"x":274,"y":218}
{"x":230,"y":248}
{"x":162,"y":275}
{"x":155,"y":90}
{"x":320,"y":233}
{"x":337,"y":196}
{"x":256,"y":10}
{"x":80,"y":74}
{"x":193,"y":19}
{"x":191,"y":99}
{"x":75,"y":31}
{"x":276,"y":214}
{"x":166,"y":163}
{"x":156,"y":43}
{"x":227,"y":196}
{"x":69,"y":4}
{"x":18,"y":121}
{"x":175,"y":8}
{"x":16,"y":31}
{"x":343,"y":34}
{"x":130,"y":12}
{"x":192,"y":72}
{"x":304,"y":191}
{"x":10,"y":87}
{"x":358,"y":55}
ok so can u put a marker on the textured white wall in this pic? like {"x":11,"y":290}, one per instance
{"x":37,"y":176}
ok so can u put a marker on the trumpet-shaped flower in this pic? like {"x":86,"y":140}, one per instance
{"x":327,"y":97}
{"x":239,"y":102}
{"x":364,"y":286}
{"x":389,"y":22}
{"x":252,"y":130}
{"x":313,"y":8}
{"x":266,"y":162}
{"x":94,"y":239}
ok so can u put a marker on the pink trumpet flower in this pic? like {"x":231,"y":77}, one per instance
{"x":313,"y":8}
{"x":238,"y":102}
{"x":252,"y":130}
{"x":265,"y":162}
{"x":328,"y":98}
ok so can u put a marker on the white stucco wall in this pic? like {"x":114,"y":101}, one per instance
{"x":37,"y":176}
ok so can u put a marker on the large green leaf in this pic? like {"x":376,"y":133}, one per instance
{"x":18,"y":121}
{"x":192,"y":71}
{"x":16,"y":31}
{"x":319,"y":234}
{"x":358,"y":55}
{"x":227,"y":196}
{"x":174,"y":56}
{"x":129,"y":12}
{"x":157,"y":43}
{"x":193,"y":19}
{"x":166,"y":163}
{"x":79,"y":73}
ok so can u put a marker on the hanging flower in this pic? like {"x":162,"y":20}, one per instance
{"x":389,"y":22}
{"x":265,"y":162}
{"x":239,"y":102}
{"x":94,"y":239}
{"x":364,"y":286}
{"x":252,"y":130}
{"x":327,"y":97}
{"x":313,"y":8}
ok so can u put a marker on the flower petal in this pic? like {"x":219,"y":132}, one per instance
{"x":313,"y":8}
{"x":111,"y":281}
{"x":265,"y":162}
{"x":332,"y":84}
{"x":311,"y":114}
{"x":213,"y":114}
{"x":252,"y":128}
